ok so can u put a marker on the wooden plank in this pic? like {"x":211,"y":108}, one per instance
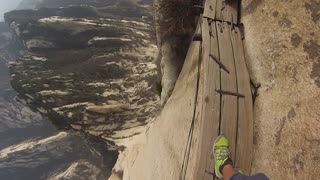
{"x":245,"y":111}
{"x":229,"y":104}
{"x":212,"y":99}
{"x":200,"y":171}
{"x":210,"y":9}
{"x":227,"y":11}
{"x":232,"y":11}
{"x":220,"y":9}
{"x":207,"y":112}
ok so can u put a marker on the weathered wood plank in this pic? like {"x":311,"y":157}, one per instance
{"x":227,"y":11}
{"x":245,"y":119}
{"x":220,"y":8}
{"x":232,"y":11}
{"x":200,"y":171}
{"x":206,"y":126}
{"x":229,"y":104}
{"x":212,"y":99}
{"x":210,"y":9}
{"x":223,"y":11}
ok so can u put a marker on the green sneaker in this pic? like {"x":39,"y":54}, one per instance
{"x":220,"y":153}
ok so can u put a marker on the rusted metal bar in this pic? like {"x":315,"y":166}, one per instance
{"x":219,"y":20}
{"x":230,"y":93}
{"x":255,"y":87}
{"x":220,"y":63}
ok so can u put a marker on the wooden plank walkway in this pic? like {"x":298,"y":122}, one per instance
{"x":227,"y":100}
{"x":222,"y":10}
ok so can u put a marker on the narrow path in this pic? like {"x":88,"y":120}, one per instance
{"x":227,"y":101}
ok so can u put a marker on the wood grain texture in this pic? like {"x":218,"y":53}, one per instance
{"x":232,"y":12}
{"x":219,"y":10}
{"x":212,"y":99}
{"x":245,"y":111}
{"x":229,"y":104}
{"x":210,"y":9}
{"x":208,"y":118}
{"x":227,"y":11}
{"x":224,"y":114}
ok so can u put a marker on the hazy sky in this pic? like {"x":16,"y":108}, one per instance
{"x":7,"y":5}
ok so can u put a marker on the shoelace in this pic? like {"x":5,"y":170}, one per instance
{"x":221,"y":153}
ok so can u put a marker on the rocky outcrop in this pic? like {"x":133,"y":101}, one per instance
{"x":282,"y":46}
{"x":160,"y":152}
{"x":36,"y":4}
{"x":10,"y":48}
{"x":92,"y":67}
{"x":175,"y":23}
{"x":52,"y":155}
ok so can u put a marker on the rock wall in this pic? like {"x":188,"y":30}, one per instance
{"x":159,"y":153}
{"x":88,"y":68}
{"x":175,"y":23}
{"x":282,"y":43}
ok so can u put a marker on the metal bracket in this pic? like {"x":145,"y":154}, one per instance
{"x":222,"y":66}
{"x":241,"y":29}
{"x":231,"y":23}
{"x":222,"y":92}
{"x":254,"y":90}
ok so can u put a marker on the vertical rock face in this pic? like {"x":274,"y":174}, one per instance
{"x":175,"y":23}
{"x":282,"y":45}
{"x":10,"y":48}
{"x":91,"y":66}
{"x":163,"y":149}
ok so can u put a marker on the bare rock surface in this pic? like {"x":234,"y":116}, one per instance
{"x":39,"y":158}
{"x":175,"y":22}
{"x":92,"y":67}
{"x":31,"y":147}
{"x":89,"y":68}
{"x":159,"y":153}
{"x":282,"y":46}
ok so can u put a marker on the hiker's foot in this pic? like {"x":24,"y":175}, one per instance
{"x":220,"y":154}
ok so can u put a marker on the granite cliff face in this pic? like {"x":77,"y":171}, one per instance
{"x":93,"y":72}
{"x":175,"y":23}
{"x":282,"y":46}
{"x":88,"y":68}
{"x":10,"y":48}
{"x":31,"y":147}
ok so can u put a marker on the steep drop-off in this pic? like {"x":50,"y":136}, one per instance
{"x":89,"y":69}
{"x":281,"y":44}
